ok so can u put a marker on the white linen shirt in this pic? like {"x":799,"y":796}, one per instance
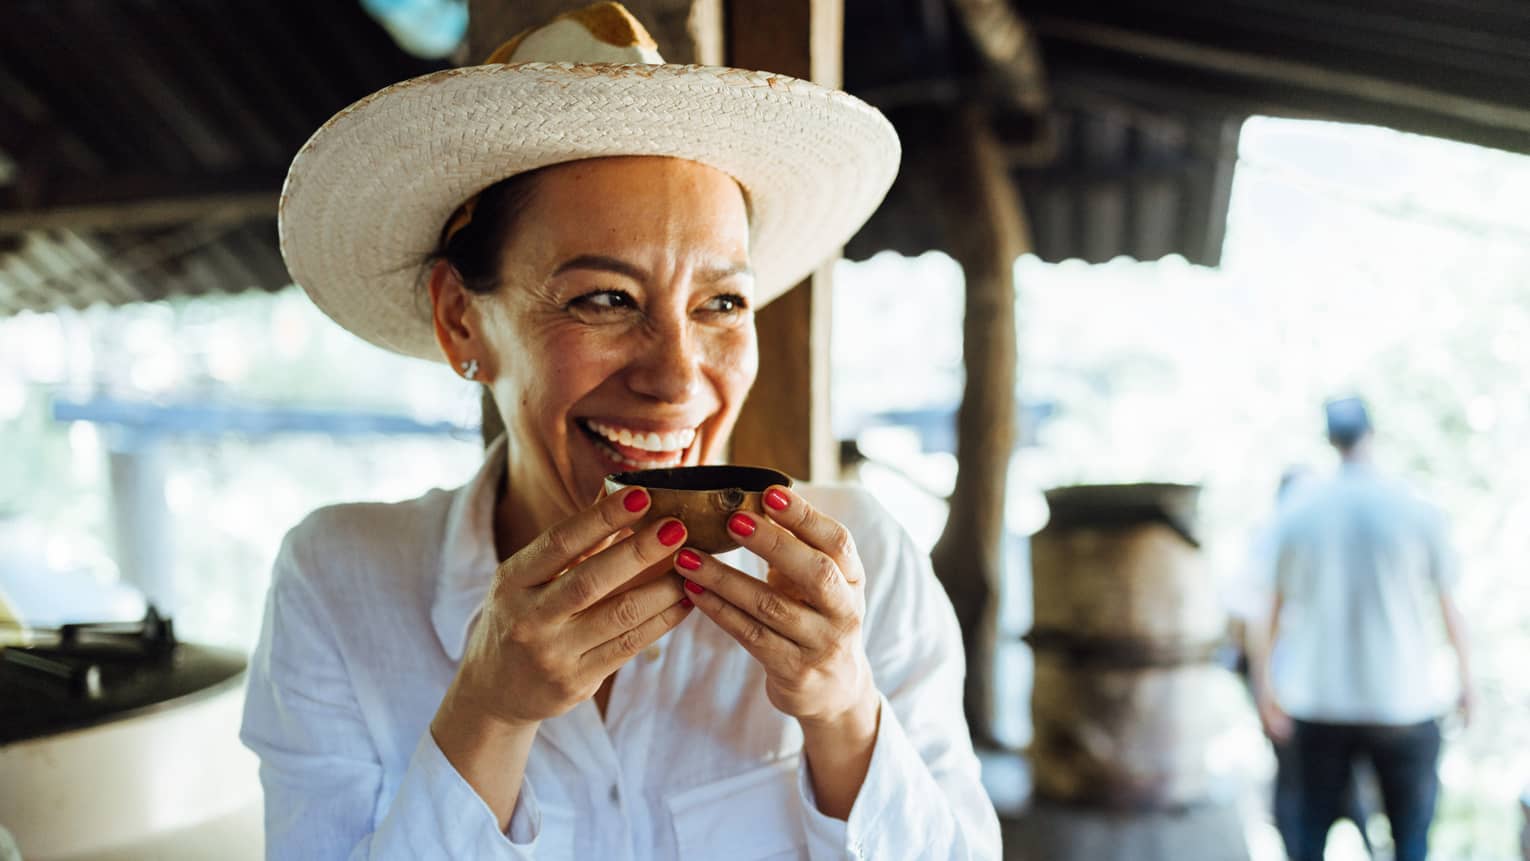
{"x":368,"y":613}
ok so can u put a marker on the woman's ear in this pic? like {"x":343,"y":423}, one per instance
{"x":450,"y":302}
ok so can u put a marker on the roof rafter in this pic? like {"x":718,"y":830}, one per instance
{"x":133,"y":201}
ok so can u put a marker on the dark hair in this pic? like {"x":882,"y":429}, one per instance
{"x":475,"y":250}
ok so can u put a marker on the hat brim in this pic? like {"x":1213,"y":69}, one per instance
{"x":367,"y":195}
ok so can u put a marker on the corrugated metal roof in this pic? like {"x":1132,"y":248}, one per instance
{"x":1452,"y":68}
{"x":57,"y":268}
{"x":1101,"y":175}
{"x":1130,"y":181}
{"x":1136,"y":152}
{"x":149,"y":138}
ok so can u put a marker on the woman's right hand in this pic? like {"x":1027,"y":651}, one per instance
{"x":559,"y":618}
{"x":556,"y":621}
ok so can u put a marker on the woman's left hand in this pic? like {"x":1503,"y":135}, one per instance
{"x":804,"y":624}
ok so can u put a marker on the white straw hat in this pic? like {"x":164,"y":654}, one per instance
{"x":367,"y":196}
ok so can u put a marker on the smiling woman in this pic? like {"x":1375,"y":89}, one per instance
{"x":518,"y":668}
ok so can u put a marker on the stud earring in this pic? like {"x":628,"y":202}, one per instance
{"x":470,"y":369}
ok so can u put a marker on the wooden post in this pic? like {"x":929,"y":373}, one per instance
{"x":688,"y":31}
{"x":785,"y":423}
{"x":968,"y":558}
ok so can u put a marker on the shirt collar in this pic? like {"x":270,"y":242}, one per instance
{"x":468,"y":559}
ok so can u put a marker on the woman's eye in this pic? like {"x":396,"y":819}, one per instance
{"x":603,"y":300}
{"x":726,"y":304}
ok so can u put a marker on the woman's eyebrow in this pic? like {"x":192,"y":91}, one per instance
{"x":599,"y":263}
{"x":720,"y":273}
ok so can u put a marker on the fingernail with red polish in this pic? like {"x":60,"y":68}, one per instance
{"x":693,"y":588}
{"x":776,"y":499}
{"x":636,"y":500}
{"x":742,"y":524}
{"x":686,"y":603}
{"x":688,"y":559}
{"x":671,"y":533}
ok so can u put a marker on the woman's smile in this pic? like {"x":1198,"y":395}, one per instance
{"x":637,"y":444}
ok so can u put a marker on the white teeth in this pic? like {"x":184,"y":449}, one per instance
{"x":673,"y":441}
{"x":619,"y":458}
{"x":678,"y":440}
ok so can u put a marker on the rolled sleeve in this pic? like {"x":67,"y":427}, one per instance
{"x":892,"y":816}
{"x":437,"y":814}
{"x":923,"y":796}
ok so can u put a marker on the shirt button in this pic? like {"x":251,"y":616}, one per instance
{"x":616,"y":793}
{"x":652,"y":653}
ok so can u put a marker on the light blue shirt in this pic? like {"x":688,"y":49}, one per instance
{"x":1361,"y":563}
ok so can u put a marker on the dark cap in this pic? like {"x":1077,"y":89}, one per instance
{"x":1348,"y":420}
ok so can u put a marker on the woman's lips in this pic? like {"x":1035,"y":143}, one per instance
{"x":639,"y":449}
{"x":651,"y":441}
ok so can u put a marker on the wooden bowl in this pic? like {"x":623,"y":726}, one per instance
{"x":701,"y":497}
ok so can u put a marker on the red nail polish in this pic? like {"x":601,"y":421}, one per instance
{"x":671,"y":533}
{"x":693,"y":588}
{"x":636,"y":500}
{"x":686,"y":603}
{"x":741,"y":524}
{"x":688,"y":559}
{"x":776,"y":499}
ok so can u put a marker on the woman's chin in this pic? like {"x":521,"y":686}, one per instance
{"x":591,"y":466}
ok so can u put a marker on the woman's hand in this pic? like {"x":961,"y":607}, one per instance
{"x":559,"y":618}
{"x":804,"y":627}
{"x":804,"y":624}
{"x":557,"y":622}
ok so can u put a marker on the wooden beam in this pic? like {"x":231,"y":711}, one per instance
{"x":785,"y":423}
{"x":122,"y":202}
{"x":1007,"y":44}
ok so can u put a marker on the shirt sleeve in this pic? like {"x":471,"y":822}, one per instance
{"x":1444,"y":569}
{"x":322,"y":776}
{"x":1286,"y":560}
{"x":923,"y":796}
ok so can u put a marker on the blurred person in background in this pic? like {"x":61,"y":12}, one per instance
{"x":1524,"y":834}
{"x":1363,"y":596}
{"x":1248,"y":607}
{"x":522,"y":668}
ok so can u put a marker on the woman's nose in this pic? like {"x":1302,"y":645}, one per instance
{"x":669,"y":368}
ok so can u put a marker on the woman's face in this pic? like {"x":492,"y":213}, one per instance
{"x":622,"y":335}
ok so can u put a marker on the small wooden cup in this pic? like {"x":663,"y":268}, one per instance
{"x":701,"y":497}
